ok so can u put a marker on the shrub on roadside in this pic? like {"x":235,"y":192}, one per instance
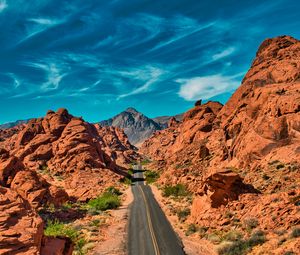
{"x":192,"y":228}
{"x":104,"y":202}
{"x":177,"y":191}
{"x":59,"y":229}
{"x":151,"y":176}
{"x":183,"y":214}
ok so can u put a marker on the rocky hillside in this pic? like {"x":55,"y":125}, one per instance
{"x":49,"y":161}
{"x":136,"y":125}
{"x":241,"y":160}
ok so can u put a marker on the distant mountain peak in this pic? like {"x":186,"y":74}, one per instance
{"x":136,"y":125}
{"x":131,"y":110}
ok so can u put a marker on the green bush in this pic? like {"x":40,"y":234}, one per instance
{"x":58,"y":229}
{"x":233,"y":236}
{"x":105,"y":202}
{"x":251,"y":223}
{"x":241,"y":247}
{"x":295,"y":233}
{"x":126,"y":180}
{"x":114,"y":191}
{"x":151,"y":176}
{"x":183,"y":214}
{"x":258,"y":237}
{"x":177,"y":191}
{"x":236,"y":248}
{"x":192,"y":228}
{"x":145,"y":161}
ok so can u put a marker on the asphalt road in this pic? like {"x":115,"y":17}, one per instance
{"x":149,"y":230}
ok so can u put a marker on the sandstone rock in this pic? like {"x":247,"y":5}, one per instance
{"x":20,"y":227}
{"x":256,"y":134}
{"x":56,"y":246}
{"x":224,"y":186}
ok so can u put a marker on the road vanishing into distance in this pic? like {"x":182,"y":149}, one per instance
{"x":150,"y":232}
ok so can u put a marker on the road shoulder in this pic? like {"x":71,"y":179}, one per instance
{"x":116,"y":233}
{"x":192,"y":245}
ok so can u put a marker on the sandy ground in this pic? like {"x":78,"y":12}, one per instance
{"x":115,"y":240}
{"x":193,"y":245}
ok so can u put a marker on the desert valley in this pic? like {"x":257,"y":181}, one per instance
{"x":226,"y":176}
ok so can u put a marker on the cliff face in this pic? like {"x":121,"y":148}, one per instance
{"x":51,"y":160}
{"x":256,"y":136}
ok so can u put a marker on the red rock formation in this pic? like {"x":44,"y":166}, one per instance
{"x":47,"y":162}
{"x":20,"y":227}
{"x":56,"y":246}
{"x":256,"y":134}
{"x":65,"y":147}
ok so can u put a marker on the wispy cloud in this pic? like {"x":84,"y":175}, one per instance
{"x":206,"y":87}
{"x":3,"y":5}
{"x":54,"y":75}
{"x":155,"y":74}
{"x":16,"y":81}
{"x":45,"y":21}
{"x":224,"y":53}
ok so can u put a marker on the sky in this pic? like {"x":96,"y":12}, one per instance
{"x":96,"y":58}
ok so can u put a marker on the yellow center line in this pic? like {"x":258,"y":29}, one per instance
{"x":154,"y":241}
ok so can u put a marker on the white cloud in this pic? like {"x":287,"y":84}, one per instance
{"x":155,"y":74}
{"x":226,"y":52}
{"x":206,"y":87}
{"x":3,"y":5}
{"x":54,"y":75}
{"x":44,"y":21}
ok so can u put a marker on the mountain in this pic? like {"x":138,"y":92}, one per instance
{"x":241,"y":160}
{"x":136,"y":125}
{"x":13,"y":124}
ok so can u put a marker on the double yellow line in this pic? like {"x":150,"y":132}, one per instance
{"x":154,"y":241}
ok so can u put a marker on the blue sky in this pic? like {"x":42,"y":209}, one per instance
{"x":97,"y":58}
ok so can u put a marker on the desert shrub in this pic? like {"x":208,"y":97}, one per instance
{"x":281,"y":241}
{"x":176,"y":191}
{"x":202,"y":231}
{"x":295,"y":233}
{"x":236,"y":248}
{"x":192,"y":228}
{"x":126,"y":180}
{"x":145,"y":161}
{"x":258,"y":237}
{"x":289,"y":253}
{"x":233,"y":236}
{"x":130,"y":172}
{"x":229,"y":214}
{"x":114,"y":191}
{"x":183,"y":214}
{"x":151,"y":176}
{"x":214,"y":238}
{"x":95,"y":223}
{"x":251,"y":223}
{"x":104,"y":202}
{"x":59,"y":229}
{"x":241,"y":247}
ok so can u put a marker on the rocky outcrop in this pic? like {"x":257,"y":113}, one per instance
{"x":255,"y":134}
{"x":60,"y":146}
{"x":224,"y":186}
{"x":47,"y":162}
{"x":20,"y":227}
{"x":56,"y":246}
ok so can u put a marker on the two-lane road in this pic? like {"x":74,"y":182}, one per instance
{"x":149,"y":230}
